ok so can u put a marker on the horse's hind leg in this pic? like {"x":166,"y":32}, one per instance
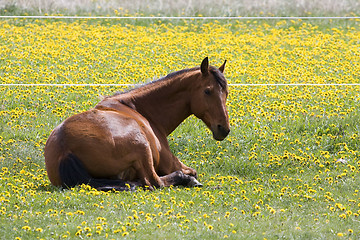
{"x":179,"y":178}
{"x":144,"y":167}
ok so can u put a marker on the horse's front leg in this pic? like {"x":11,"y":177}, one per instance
{"x":179,"y":178}
{"x":169,"y":163}
{"x":188,"y":170}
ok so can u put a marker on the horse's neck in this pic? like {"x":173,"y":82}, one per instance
{"x":164,"y":106}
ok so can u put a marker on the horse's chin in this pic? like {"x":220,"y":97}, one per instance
{"x":217,"y":138}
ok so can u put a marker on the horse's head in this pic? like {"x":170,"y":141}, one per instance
{"x":209,"y":99}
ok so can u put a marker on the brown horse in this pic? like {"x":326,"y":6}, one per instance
{"x":122,"y":142}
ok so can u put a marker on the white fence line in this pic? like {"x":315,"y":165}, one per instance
{"x":174,"y":18}
{"x":137,"y":84}
{"x":294,"y":84}
{"x":65,"y":84}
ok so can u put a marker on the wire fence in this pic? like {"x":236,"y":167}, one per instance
{"x":177,"y":18}
{"x":139,"y":84}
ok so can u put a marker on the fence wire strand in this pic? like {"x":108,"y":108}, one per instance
{"x":176,"y":18}
{"x":139,"y":84}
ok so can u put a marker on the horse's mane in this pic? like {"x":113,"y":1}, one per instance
{"x":217,"y":75}
{"x":173,"y":74}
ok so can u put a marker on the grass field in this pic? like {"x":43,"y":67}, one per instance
{"x":289,"y":168}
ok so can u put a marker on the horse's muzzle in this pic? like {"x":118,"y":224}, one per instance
{"x":220,"y":132}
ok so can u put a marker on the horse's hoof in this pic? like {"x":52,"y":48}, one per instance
{"x":194,"y":183}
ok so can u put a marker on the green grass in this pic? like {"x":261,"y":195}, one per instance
{"x":244,"y":197}
{"x":289,"y":168}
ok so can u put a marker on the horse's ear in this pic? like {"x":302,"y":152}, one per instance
{"x":222,"y":67}
{"x":205,"y":66}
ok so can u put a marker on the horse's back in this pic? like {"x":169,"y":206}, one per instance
{"x":107,"y":143}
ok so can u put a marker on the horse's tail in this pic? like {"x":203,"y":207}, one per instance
{"x":73,"y":172}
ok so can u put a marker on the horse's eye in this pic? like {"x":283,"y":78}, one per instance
{"x":207,"y":91}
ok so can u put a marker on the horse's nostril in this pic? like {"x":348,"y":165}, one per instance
{"x":223,"y":129}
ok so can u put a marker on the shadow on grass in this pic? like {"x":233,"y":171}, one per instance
{"x":48,"y":188}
